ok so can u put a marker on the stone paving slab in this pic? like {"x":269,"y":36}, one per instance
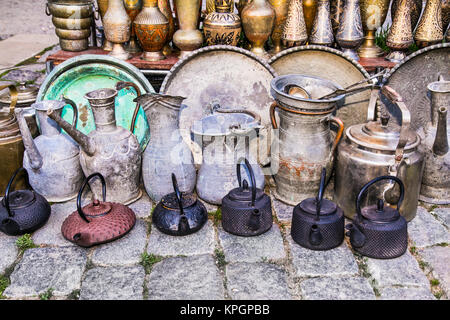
{"x":443,"y":215}
{"x":8,"y":251}
{"x":43,"y":268}
{"x":189,"y":278}
{"x":340,"y":288}
{"x":268,"y":246}
{"x":282,"y":210}
{"x":406,"y":293}
{"x":310,"y":263}
{"x":439,"y":260}
{"x":426,"y":231}
{"x":200,"y":242}
{"x":256,"y":281}
{"x":124,"y":251}
{"x":113,"y":283}
{"x":143,"y":207}
{"x":403,"y":271}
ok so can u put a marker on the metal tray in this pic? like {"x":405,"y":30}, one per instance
{"x":81,"y":74}
{"x":330,"y":64}
{"x":410,"y":78}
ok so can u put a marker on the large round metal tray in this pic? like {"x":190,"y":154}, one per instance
{"x":329,"y":64}
{"x":79,"y":75}
{"x":410,"y":78}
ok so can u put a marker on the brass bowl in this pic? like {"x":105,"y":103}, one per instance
{"x":74,"y":11}
{"x":65,"y":34}
{"x":71,"y":24}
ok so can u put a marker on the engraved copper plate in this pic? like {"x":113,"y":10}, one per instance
{"x":410,"y":79}
{"x":329,"y":64}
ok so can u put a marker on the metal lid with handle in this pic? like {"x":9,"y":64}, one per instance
{"x":96,"y":209}
{"x":20,"y":198}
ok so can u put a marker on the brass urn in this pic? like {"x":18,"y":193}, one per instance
{"x":102,"y":6}
{"x":350,"y":34}
{"x":258,"y":21}
{"x":322,"y":32}
{"x":309,"y":11}
{"x":429,"y":30}
{"x":165,"y":8}
{"x":294,"y":30}
{"x":188,"y":38}
{"x":415,"y":11}
{"x":211,"y":6}
{"x":336,"y":9}
{"x":152,"y":30}
{"x":133,"y":7}
{"x":373,"y":14}
{"x":400,"y":35}
{"x":281,"y":9}
{"x":117,"y":28}
{"x":222,"y":26}
{"x":241,"y":4}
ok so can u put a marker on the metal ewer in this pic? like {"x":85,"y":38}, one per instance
{"x":322,"y":31}
{"x":294,"y":29}
{"x":400,"y":35}
{"x":350,"y":32}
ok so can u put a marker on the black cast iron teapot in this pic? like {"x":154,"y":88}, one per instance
{"x":379,"y":231}
{"x":179,"y":214}
{"x":22,"y":211}
{"x":318,"y":223}
{"x":246,"y":211}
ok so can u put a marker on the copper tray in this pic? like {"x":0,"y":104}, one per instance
{"x":410,"y":78}
{"x":330,"y":64}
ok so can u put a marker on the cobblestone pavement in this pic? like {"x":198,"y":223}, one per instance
{"x":212,"y":264}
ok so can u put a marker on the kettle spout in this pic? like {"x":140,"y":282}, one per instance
{"x":10,"y":227}
{"x":440,"y":145}
{"x":32,"y":151}
{"x":86,"y":143}
{"x":183,"y":225}
{"x":254,"y":222}
{"x":357,"y":238}
{"x":315,"y":236}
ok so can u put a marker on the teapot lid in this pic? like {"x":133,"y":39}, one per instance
{"x":244,"y":193}
{"x":310,"y":206}
{"x":25,"y":94}
{"x":170,"y":201}
{"x":20,"y":199}
{"x":97,"y":209}
{"x":380,"y":213}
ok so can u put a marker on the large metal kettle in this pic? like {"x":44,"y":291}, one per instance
{"x":51,"y":159}
{"x":246,"y":211}
{"x":109,"y":149}
{"x":317,"y":223}
{"x":379,"y":231}
{"x":378,"y":148}
{"x":22,"y":211}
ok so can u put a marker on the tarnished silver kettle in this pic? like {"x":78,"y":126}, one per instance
{"x":374,"y":149}
{"x":436,"y":175}
{"x":52,"y":159}
{"x":111,"y":150}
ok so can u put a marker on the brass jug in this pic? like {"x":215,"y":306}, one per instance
{"x":294,"y":30}
{"x":188,"y":38}
{"x":322,"y":32}
{"x":350,"y":34}
{"x":102,"y":8}
{"x":415,"y":11}
{"x":133,"y":7}
{"x":429,"y":30}
{"x":373,"y":14}
{"x":117,"y":28}
{"x":281,"y":10}
{"x":336,"y":9}
{"x":400,"y":35}
{"x":166,"y":9}
{"x":222,"y":26}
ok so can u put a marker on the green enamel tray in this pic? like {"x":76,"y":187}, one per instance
{"x":79,"y":75}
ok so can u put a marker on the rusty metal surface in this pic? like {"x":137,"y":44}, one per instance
{"x":330,"y":64}
{"x":410,"y":79}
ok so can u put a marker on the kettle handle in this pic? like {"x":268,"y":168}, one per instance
{"x":252,"y":177}
{"x":122,"y":85}
{"x":80,"y":193}
{"x":320,"y":193}
{"x":367,"y":185}
{"x":14,"y":96}
{"x":8,"y":187}
{"x":177,"y":193}
{"x":74,"y":108}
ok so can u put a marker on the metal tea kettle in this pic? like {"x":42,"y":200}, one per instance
{"x":22,"y":211}
{"x":318,"y":223}
{"x":246,"y":211}
{"x":379,"y":231}
{"x":179,"y":214}
{"x":98,"y":222}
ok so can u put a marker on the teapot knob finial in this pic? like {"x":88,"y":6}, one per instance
{"x":380,"y":205}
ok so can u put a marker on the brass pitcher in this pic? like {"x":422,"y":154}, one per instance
{"x":429,"y":30}
{"x":188,"y":38}
{"x":400,"y":35}
{"x":336,"y":9}
{"x":416,"y":10}
{"x":309,"y":10}
{"x":222,"y":26}
{"x":117,"y":28}
{"x":350,"y":33}
{"x":294,"y":30}
{"x":373,"y":14}
{"x":133,"y":7}
{"x":102,"y":8}
{"x":322,"y":32}
{"x":281,"y":10}
{"x":166,"y":9}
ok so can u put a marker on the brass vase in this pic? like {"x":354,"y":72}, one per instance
{"x":400,"y":35}
{"x":152,"y":30}
{"x":322,"y":32}
{"x":294,"y":30}
{"x":165,"y":8}
{"x":241,"y":4}
{"x":336,"y":9}
{"x":258,"y":21}
{"x":350,"y":33}
{"x":102,"y":8}
{"x":211,"y":6}
{"x":133,"y":7}
{"x":429,"y":30}
{"x":188,"y":38}
{"x":415,"y":11}
{"x":222,"y":26}
{"x":309,"y":11}
{"x":281,"y":9}
{"x":373,"y":14}
{"x":117,"y":28}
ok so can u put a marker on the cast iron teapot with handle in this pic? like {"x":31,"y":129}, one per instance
{"x":22,"y":211}
{"x":98,"y":222}
{"x":317,"y":223}
{"x":379,"y":231}
{"x":179,"y":214}
{"x":246,"y":211}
